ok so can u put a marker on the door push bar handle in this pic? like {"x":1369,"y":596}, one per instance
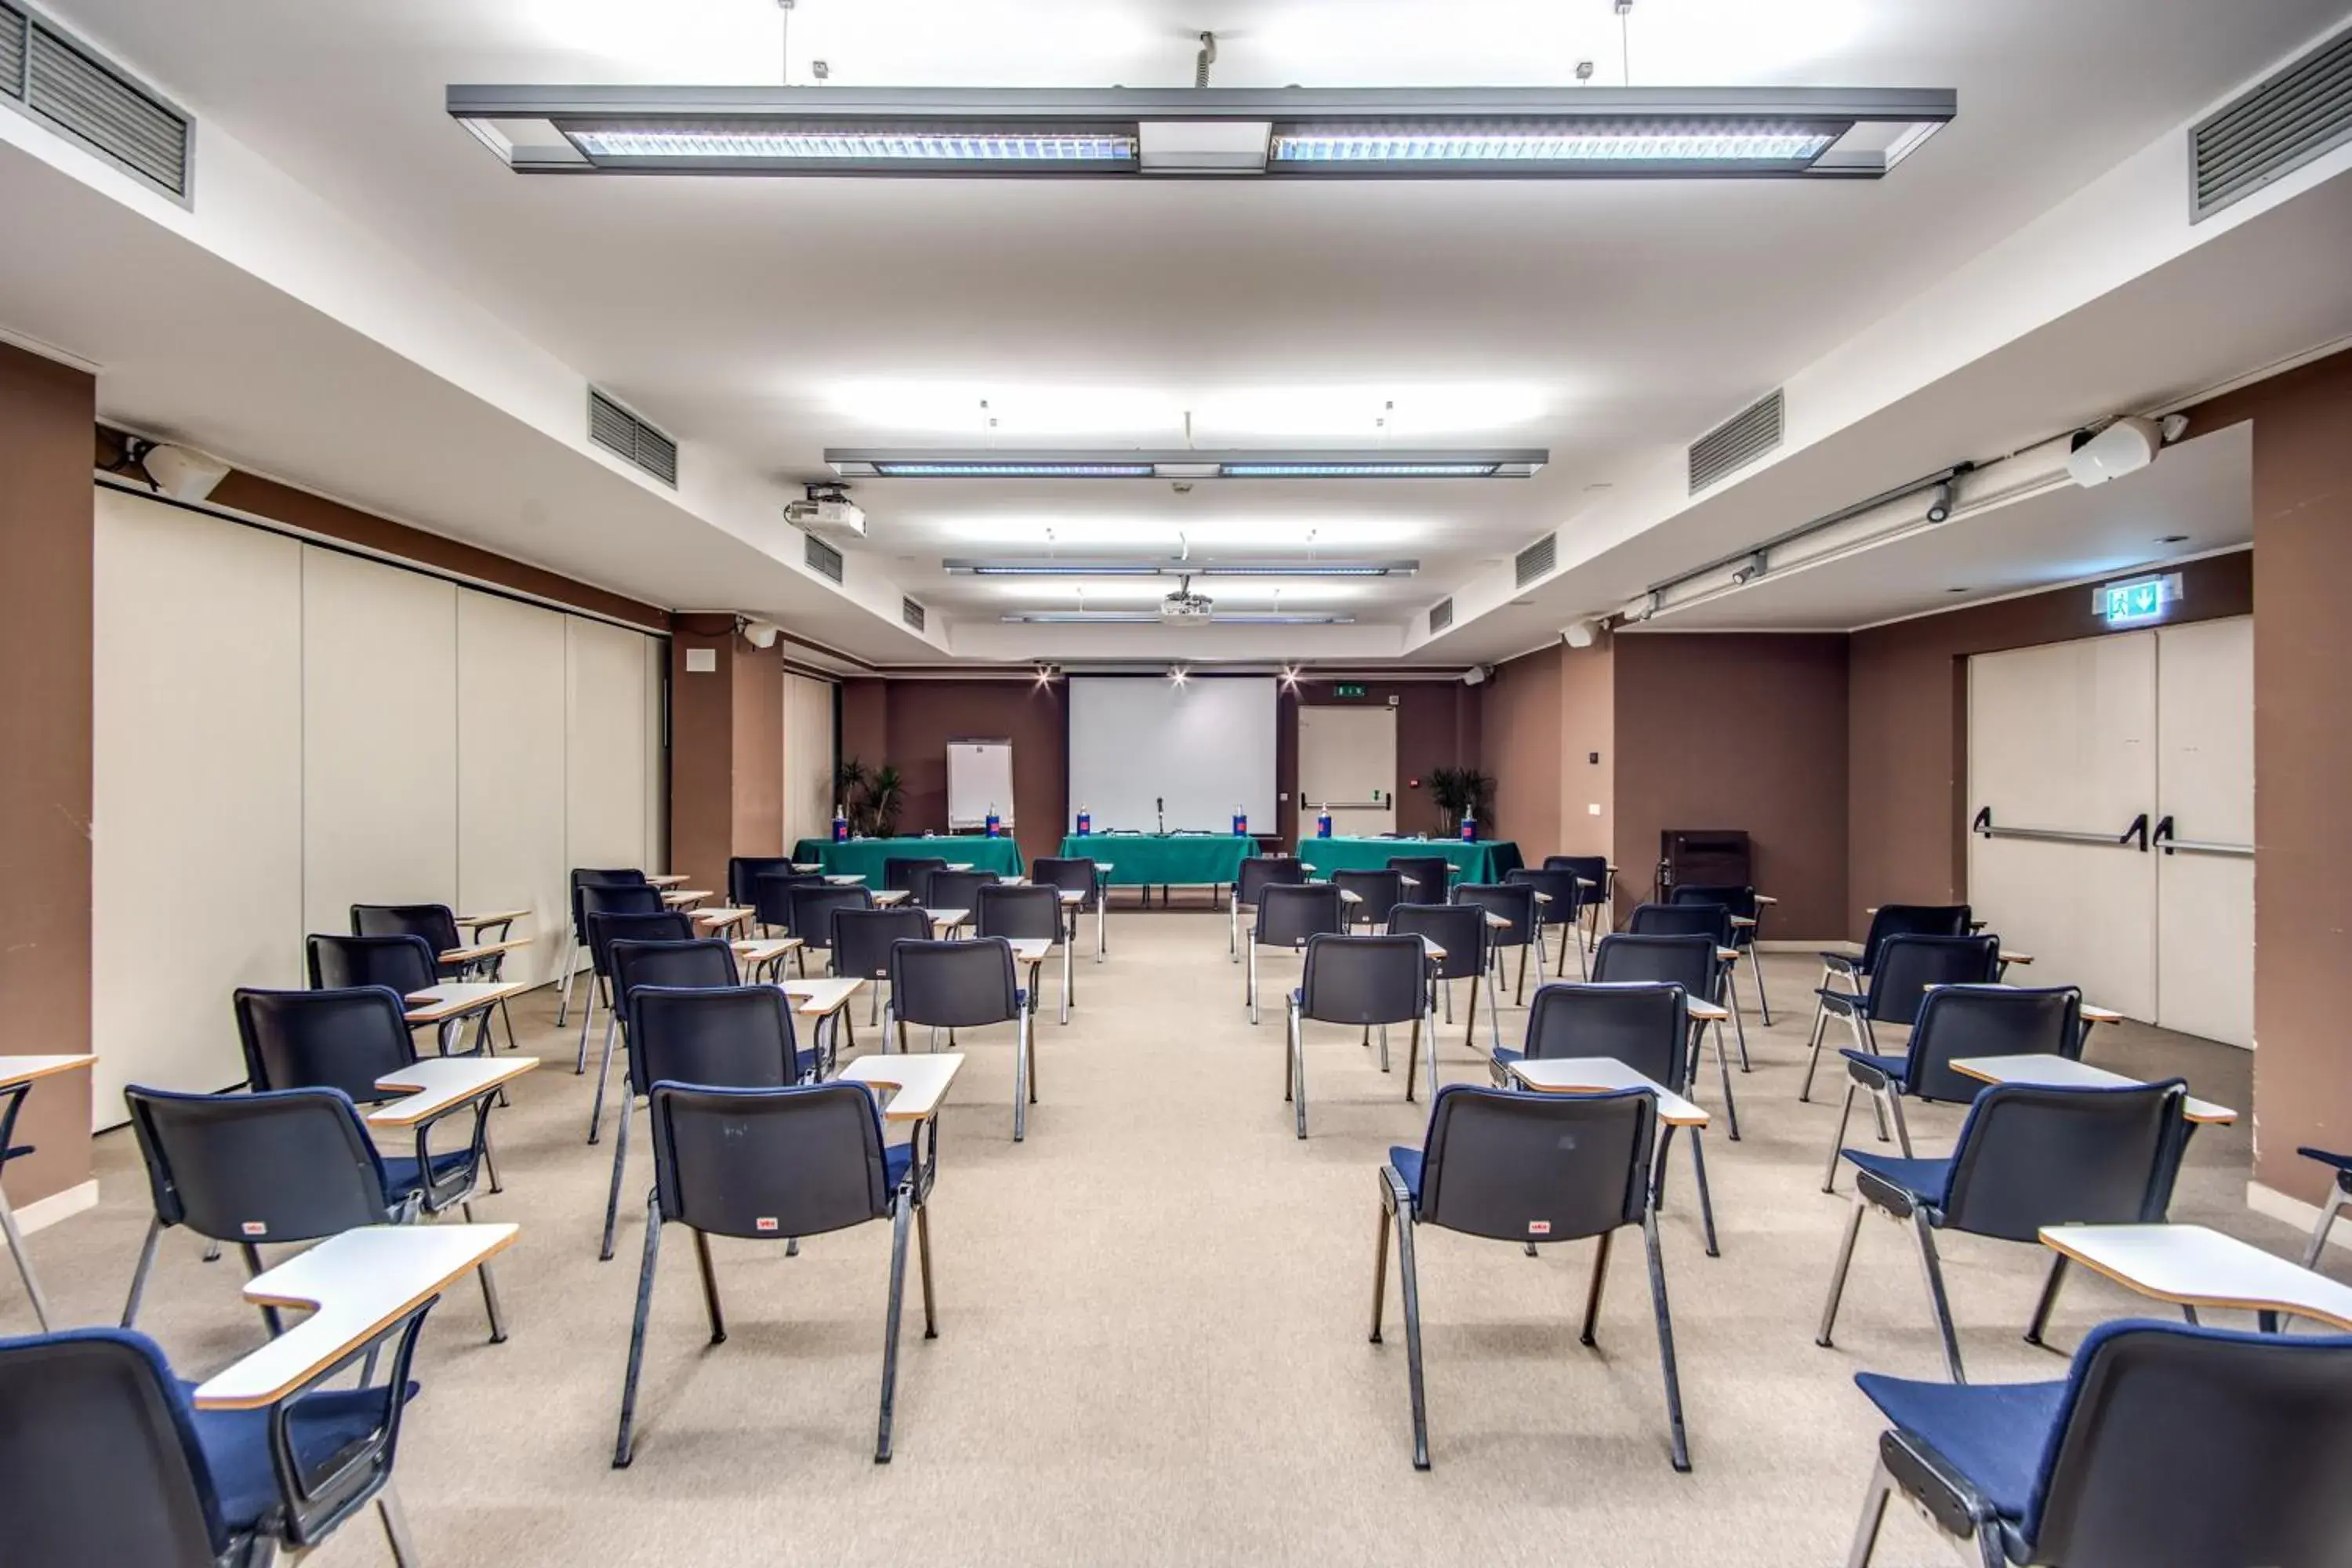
{"x":2164,"y":840}
{"x":2134,"y":836}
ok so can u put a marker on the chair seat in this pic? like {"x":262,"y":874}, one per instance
{"x":400,"y":1177}
{"x":1844,"y":962}
{"x":896,"y":1159}
{"x":1893,"y":1067}
{"x":2325,"y":1156}
{"x":1993,"y":1433}
{"x":1924,"y":1180}
{"x":1408,"y":1165}
{"x":236,"y":1444}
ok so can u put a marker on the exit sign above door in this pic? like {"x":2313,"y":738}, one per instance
{"x":1345,"y":689}
{"x":2136,"y":602}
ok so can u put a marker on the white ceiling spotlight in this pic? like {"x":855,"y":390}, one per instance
{"x":760,"y":634}
{"x":2122,"y":446}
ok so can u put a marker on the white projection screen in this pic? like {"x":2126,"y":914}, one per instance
{"x":1206,"y":747}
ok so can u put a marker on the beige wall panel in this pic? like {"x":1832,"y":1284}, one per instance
{"x":197,"y":807}
{"x":656,"y":833}
{"x":604,"y":745}
{"x":808,"y":758}
{"x":510,"y":773}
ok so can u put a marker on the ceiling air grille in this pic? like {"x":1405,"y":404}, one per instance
{"x":1736,"y":443}
{"x":1441,"y":615}
{"x":73,"y":90}
{"x":629,"y":438}
{"x":824,"y":559}
{"x":1536,"y":560}
{"x":2272,"y":130}
{"x":912,"y":613}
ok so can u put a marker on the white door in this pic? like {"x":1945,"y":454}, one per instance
{"x":2205,"y":786}
{"x":1347,"y":761}
{"x":2061,"y":751}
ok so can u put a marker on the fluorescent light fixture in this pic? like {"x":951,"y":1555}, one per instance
{"x":960,"y":567}
{"x":1371,"y":463}
{"x":1152,"y":618}
{"x":1578,"y":133}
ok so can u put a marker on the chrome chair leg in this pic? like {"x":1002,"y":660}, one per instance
{"x":623,"y":1445}
{"x":1723,"y":1070}
{"x":1681,"y":1442}
{"x":1838,"y":1272}
{"x":2327,"y":1213}
{"x":1408,"y":1277}
{"x":1813,"y":1061}
{"x":923,"y":1258}
{"x":1022,"y":1093}
{"x":1837,"y":1139}
{"x":603,"y":1076}
{"x":1380,"y":1262}
{"x":1874,"y":1513}
{"x":890,"y":1326}
{"x":1932,"y":1268}
{"x":395,"y":1528}
{"x":2042,"y":1308}
{"x":489,"y":1286}
{"x":1297,"y":1069}
{"x":1592,"y":1292}
{"x":24,"y":1263}
{"x":138,"y":1274}
{"x":710,"y":1288}
{"x":620,"y":1163}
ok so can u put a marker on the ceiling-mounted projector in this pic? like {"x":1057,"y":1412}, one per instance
{"x":828,"y":510}
{"x":2124,"y":447}
{"x":1185,"y":608}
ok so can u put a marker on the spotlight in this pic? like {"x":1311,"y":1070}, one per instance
{"x":1945,"y":496}
{"x":1176,"y":673}
{"x":1750,"y":570}
{"x":759,"y":634}
{"x":1289,"y":678}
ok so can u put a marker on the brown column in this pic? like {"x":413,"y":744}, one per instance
{"x":727,"y":749}
{"x":47,"y":411}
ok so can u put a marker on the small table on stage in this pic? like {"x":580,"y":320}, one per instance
{"x":1163,"y":861}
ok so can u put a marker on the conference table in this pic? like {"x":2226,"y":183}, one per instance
{"x":1151,"y":860}
{"x":864,"y":857}
{"x":1487,"y":861}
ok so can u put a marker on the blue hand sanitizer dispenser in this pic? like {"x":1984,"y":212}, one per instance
{"x":840,"y":826}
{"x":1241,"y":823}
{"x":1469,"y":829}
{"x":1323,"y":822}
{"x":1086,"y":822}
{"x":996,"y":828}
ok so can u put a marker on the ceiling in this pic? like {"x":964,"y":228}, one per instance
{"x":768,"y":318}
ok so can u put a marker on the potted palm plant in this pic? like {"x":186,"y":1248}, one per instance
{"x":885,"y":792}
{"x":1458,"y":792}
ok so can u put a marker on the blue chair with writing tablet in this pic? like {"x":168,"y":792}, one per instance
{"x":105,"y":1461}
{"x":2167,"y":1447}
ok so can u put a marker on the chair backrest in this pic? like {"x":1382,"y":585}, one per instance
{"x":814,"y":909}
{"x":1987,"y":1021}
{"x":1260,"y":872}
{"x":862,"y":939}
{"x":1432,"y":874}
{"x":594,"y":899}
{"x":769,"y":1163}
{"x":1031,"y":911}
{"x":2184,"y":1448}
{"x":283,"y":1164}
{"x":1911,"y":920}
{"x":1908,"y":965}
{"x":1645,"y":1025}
{"x":1558,"y":886}
{"x":772,"y":893}
{"x":405,"y":963}
{"x":954,"y":985}
{"x":593,"y":876}
{"x":736,"y":1036}
{"x":1459,"y":929}
{"x":957,"y":889}
{"x":745,"y":871}
{"x":1379,"y":890}
{"x":1070,"y":874}
{"x":905,"y":873}
{"x":1684,"y":961}
{"x":1536,"y":1167}
{"x":1515,"y":901}
{"x":99,"y":1461}
{"x":1593,"y":869}
{"x":343,"y":1039}
{"x":2030,"y":1155}
{"x":1290,"y":912}
{"x":1364,"y":980}
{"x":1690,"y":918}
{"x":433,"y":922}
{"x":704,"y":964}
{"x":655,"y":925}
{"x":1739,"y":901}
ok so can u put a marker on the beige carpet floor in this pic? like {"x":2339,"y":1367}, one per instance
{"x":1153,"y":1343}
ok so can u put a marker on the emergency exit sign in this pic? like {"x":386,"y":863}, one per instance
{"x":1345,"y":689}
{"x":2138,"y":601}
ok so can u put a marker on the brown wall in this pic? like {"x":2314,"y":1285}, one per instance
{"x":1908,"y":697}
{"x":1437,"y":727}
{"x":727,"y":750}
{"x":1587,"y":726}
{"x":48,"y":521}
{"x":1738,"y":730}
{"x":756,"y":825}
{"x":2303,"y":758}
{"x":1519,"y":743}
{"x":915,"y":720}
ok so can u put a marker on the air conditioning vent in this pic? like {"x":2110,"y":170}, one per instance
{"x":912,"y":613}
{"x":1441,"y":615}
{"x":2273,"y":130}
{"x":70,"y":87}
{"x":823,"y":558}
{"x":1736,"y":443}
{"x":630,"y":438}
{"x":1536,"y":560}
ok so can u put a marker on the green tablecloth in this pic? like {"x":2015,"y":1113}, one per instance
{"x":864,"y":857}
{"x":1155,"y":860}
{"x":1484,"y":861}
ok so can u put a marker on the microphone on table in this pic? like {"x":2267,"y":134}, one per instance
{"x":1160,"y":806}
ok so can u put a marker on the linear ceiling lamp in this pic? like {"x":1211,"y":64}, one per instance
{"x":1177,"y":568}
{"x":1371,"y":463}
{"x":1153,"y":618}
{"x":1581,"y":132}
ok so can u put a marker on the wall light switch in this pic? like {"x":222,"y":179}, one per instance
{"x":1595,"y":809}
{"x":702,"y":662}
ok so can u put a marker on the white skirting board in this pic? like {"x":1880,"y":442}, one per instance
{"x":42,"y":1213}
{"x":2270,"y":1201}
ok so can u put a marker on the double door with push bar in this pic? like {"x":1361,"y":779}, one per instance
{"x":2111,"y":787}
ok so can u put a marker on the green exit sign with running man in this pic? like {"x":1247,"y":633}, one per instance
{"x":2140,"y":602}
{"x":1345,"y":689}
